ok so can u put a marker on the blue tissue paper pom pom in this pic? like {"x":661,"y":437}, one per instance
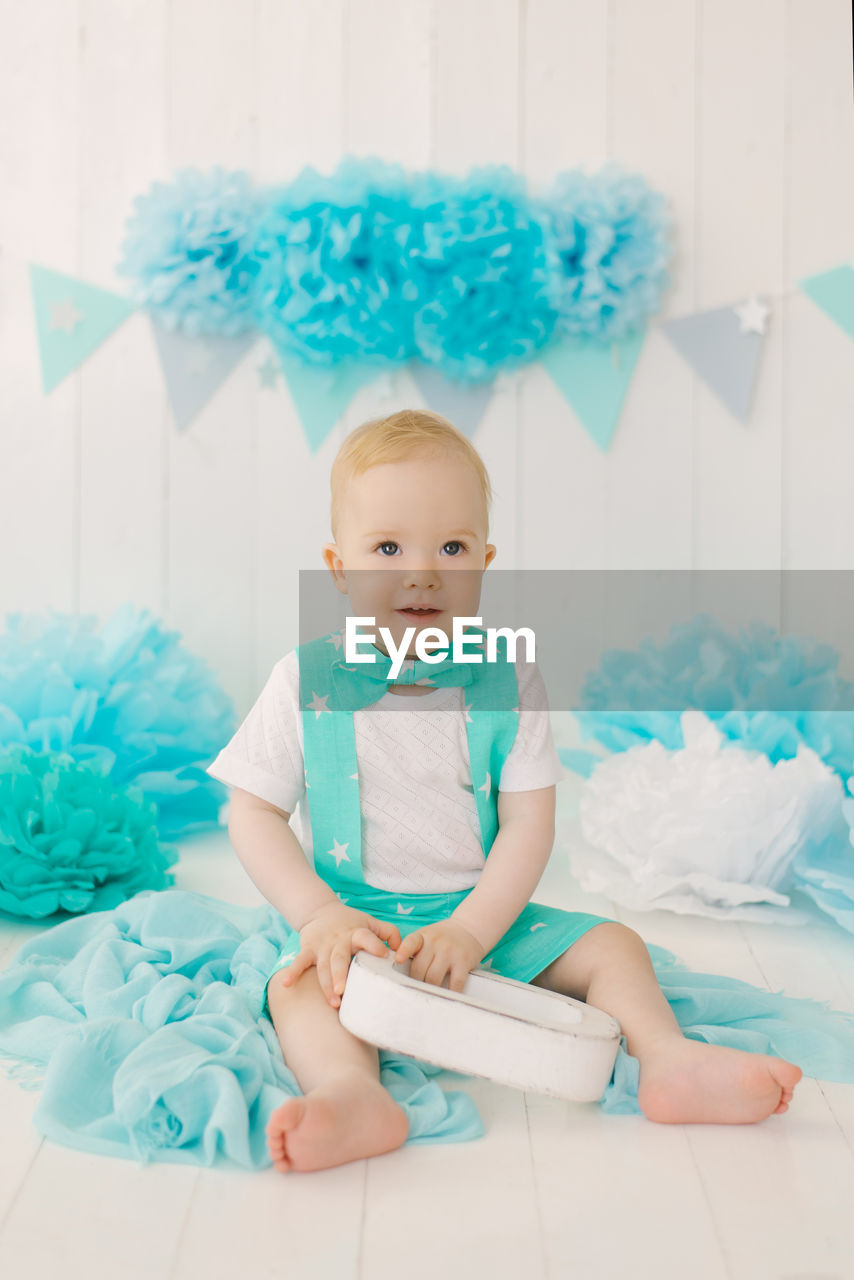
{"x":189,"y":250}
{"x":482,"y":274}
{"x":609,"y":234}
{"x":129,"y":696}
{"x":70,"y":839}
{"x":333,"y":278}
{"x":764,"y":691}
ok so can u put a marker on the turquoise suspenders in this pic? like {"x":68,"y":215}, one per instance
{"x":329,"y":693}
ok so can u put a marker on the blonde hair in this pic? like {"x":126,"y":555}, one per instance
{"x":406,"y":434}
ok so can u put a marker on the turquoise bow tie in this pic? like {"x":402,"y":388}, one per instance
{"x":358,"y":685}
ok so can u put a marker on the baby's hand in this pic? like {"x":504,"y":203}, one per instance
{"x":441,"y":949}
{"x":329,"y":940}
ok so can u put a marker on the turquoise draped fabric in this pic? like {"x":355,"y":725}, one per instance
{"x":143,"y":1028}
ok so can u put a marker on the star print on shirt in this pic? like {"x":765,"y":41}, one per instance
{"x":467,"y":706}
{"x":404,"y":911}
{"x":318,"y":705}
{"x":487,"y":786}
{"x":336,"y":638}
{"x":339,"y":852}
{"x":541,"y":925}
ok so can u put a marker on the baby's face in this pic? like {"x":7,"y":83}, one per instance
{"x":412,"y":535}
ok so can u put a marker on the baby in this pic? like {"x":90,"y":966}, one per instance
{"x":410,"y":519}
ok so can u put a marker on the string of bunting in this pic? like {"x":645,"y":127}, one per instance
{"x":464,"y":281}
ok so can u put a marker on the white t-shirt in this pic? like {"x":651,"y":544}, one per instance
{"x":420,"y":829}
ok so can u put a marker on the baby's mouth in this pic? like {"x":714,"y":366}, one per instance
{"x":418,"y":613}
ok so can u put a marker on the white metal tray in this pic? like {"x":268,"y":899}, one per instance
{"x":508,"y":1031}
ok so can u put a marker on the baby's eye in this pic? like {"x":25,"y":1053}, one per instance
{"x":458,"y":546}
{"x":382,"y":545}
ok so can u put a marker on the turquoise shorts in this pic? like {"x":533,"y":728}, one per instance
{"x":537,"y":937}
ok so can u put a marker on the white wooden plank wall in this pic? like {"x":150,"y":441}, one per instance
{"x":740,"y":112}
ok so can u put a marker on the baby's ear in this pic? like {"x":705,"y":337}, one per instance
{"x":490,"y":553}
{"x":335,"y":565}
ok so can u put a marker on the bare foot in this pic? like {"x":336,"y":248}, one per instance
{"x":690,"y":1082}
{"x":347,"y":1118}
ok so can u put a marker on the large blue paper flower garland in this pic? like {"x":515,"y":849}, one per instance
{"x":128,"y":696}
{"x":469,"y":274}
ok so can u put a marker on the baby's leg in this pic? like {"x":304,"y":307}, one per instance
{"x":681,"y":1081}
{"x":345,"y":1113}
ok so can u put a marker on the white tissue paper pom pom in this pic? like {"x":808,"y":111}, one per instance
{"x":709,"y":829}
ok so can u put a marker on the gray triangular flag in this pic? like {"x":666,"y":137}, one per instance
{"x":463,"y":405}
{"x":724,"y":355}
{"x":194,"y":368}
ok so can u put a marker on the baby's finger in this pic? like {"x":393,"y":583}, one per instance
{"x":411,"y":944}
{"x":324,"y":977}
{"x":436,"y":971}
{"x":458,"y":978}
{"x":339,"y":963}
{"x":366,"y":940}
{"x":387,"y":931}
{"x":302,"y":961}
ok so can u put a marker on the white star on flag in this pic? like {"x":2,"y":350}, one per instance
{"x":339,"y":852}
{"x":541,"y":925}
{"x":318,"y":704}
{"x":404,"y":911}
{"x":63,"y":316}
{"x":268,"y":372}
{"x":336,"y":638}
{"x":752,"y":315}
{"x":487,"y":786}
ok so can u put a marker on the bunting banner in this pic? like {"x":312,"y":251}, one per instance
{"x":462,"y":405}
{"x":194,"y":368}
{"x":320,"y":395}
{"x":723,"y":347}
{"x":594,"y":378}
{"x":833,"y":291}
{"x":72,"y":320}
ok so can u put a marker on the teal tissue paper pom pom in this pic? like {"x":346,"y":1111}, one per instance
{"x":334,"y":281}
{"x":764,"y":691}
{"x":129,"y":695}
{"x":610,"y":235}
{"x":70,"y":839}
{"x":189,"y":251}
{"x":483,"y":274}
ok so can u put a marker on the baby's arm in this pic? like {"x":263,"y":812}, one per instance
{"x":516,"y":861}
{"x":329,"y":930}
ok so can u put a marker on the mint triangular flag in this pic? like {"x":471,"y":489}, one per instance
{"x":594,"y":376}
{"x":833,"y":291}
{"x":72,"y":319}
{"x":321,"y":393}
{"x":721,"y":351}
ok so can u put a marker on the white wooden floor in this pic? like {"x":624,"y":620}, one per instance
{"x":553,"y":1189}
